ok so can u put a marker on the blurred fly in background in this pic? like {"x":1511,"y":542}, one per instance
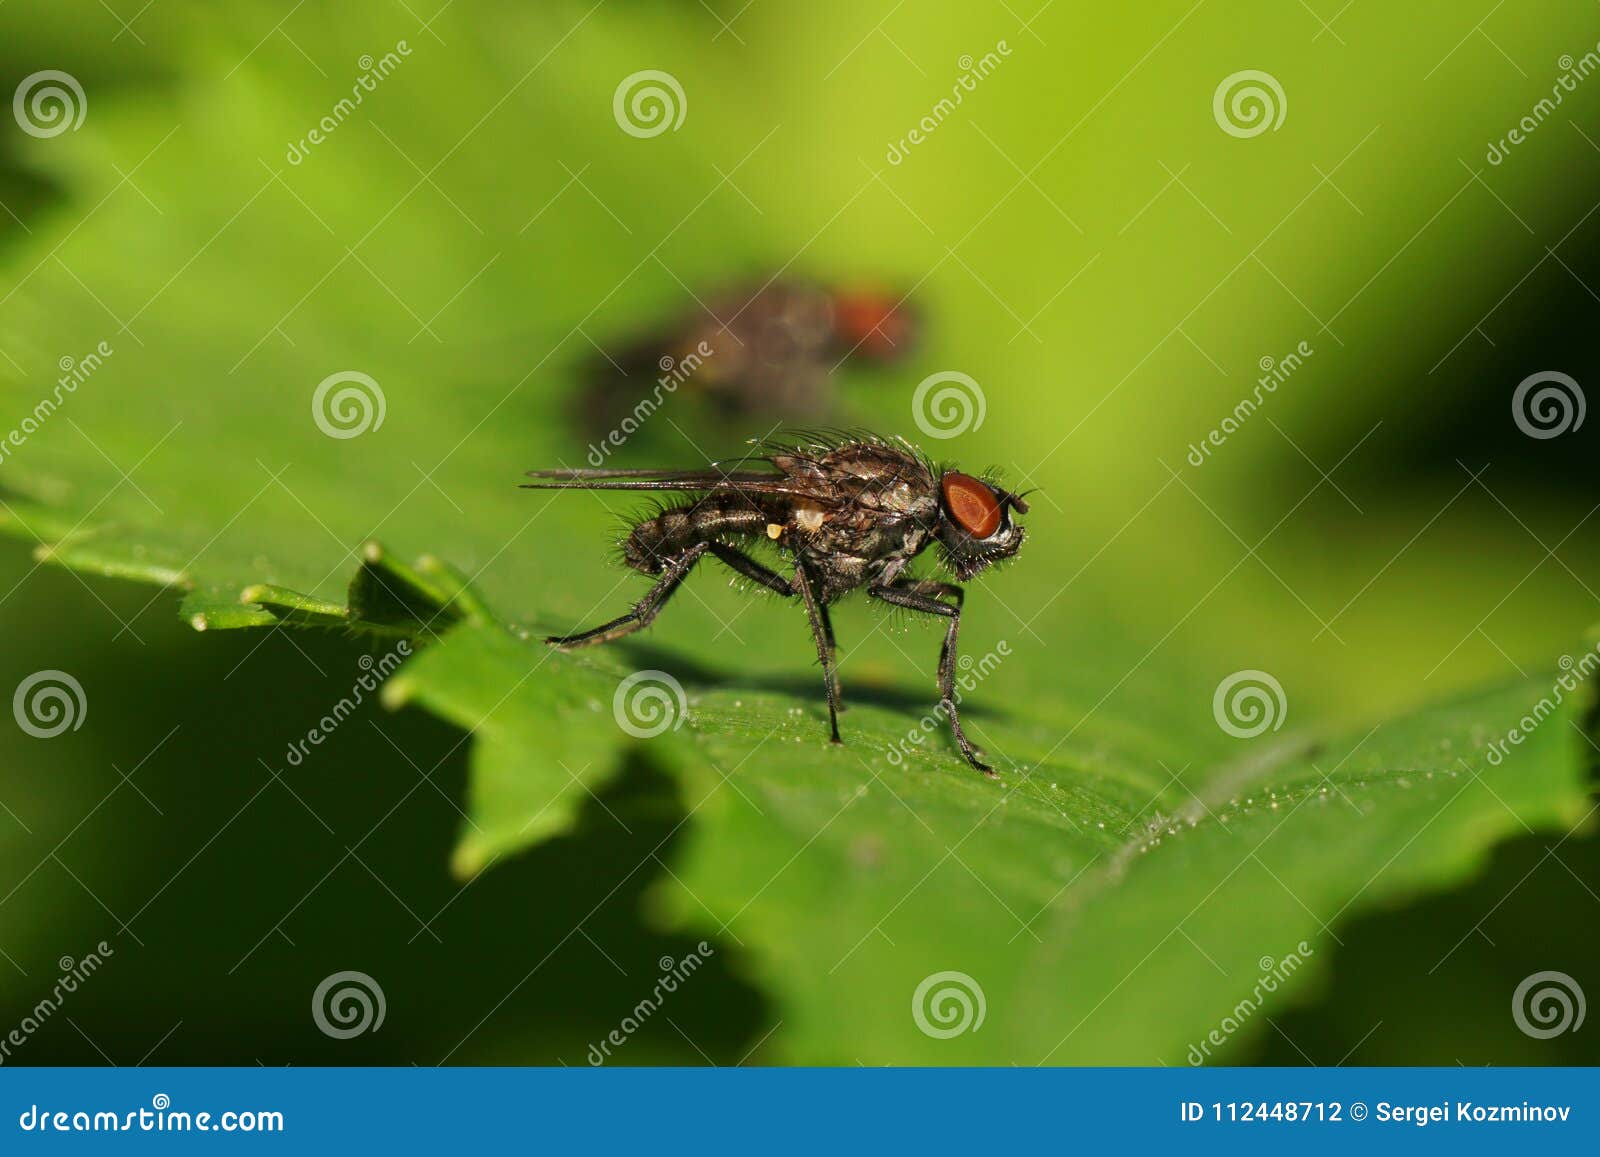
{"x":757,"y":350}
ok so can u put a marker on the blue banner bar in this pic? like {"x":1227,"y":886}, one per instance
{"x":711,"y":1111}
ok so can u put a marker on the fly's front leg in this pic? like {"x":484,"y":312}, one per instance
{"x":644,"y":611}
{"x":822,"y":632}
{"x":917,"y":595}
{"x":935,"y":589}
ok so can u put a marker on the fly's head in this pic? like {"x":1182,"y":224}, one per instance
{"x":874,"y":324}
{"x":975,"y":525}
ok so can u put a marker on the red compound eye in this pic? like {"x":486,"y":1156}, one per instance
{"x":874,"y":324}
{"x":972,"y":504}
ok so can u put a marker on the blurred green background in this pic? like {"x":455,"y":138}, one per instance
{"x":1079,"y":235}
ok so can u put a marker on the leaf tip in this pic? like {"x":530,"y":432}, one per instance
{"x":396,"y":693}
{"x":466,"y":862}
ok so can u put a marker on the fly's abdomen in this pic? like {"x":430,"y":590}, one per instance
{"x":651,"y":543}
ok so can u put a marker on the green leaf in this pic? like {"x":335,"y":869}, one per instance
{"x":1113,"y":907}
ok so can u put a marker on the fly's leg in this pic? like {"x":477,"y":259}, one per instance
{"x":644,"y":611}
{"x":821,"y":631}
{"x":675,"y":571}
{"x":833,"y":652}
{"x":827,"y":628}
{"x":921,"y":596}
{"x":751,"y":569}
{"x":935,"y":589}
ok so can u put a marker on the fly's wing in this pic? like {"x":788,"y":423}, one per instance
{"x":706,"y":480}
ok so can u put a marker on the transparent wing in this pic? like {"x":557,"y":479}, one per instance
{"x":711,"y":479}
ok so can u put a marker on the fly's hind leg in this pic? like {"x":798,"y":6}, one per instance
{"x":822,"y":631}
{"x":751,"y":569}
{"x":644,"y":611}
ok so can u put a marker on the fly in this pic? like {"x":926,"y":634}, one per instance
{"x":756,"y":350}
{"x":847,"y":512}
